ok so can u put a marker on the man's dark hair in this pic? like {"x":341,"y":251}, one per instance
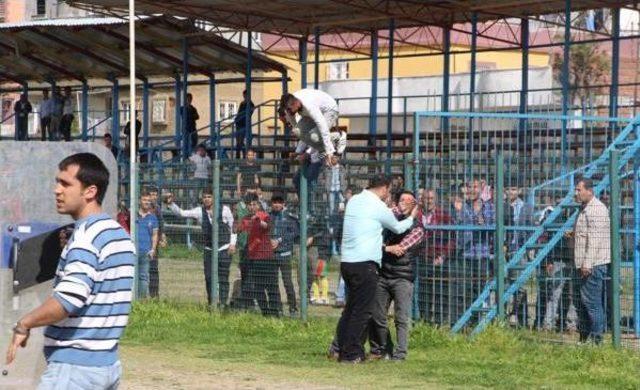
{"x":91,"y":172}
{"x":207,"y":191}
{"x":380,"y":180}
{"x":107,"y":135}
{"x":277,"y":199}
{"x":398,"y":195}
{"x":201,"y":146}
{"x":587,"y":183}
{"x":189,"y":96}
{"x":251,"y":197}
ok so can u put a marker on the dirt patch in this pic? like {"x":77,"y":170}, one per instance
{"x":149,"y":368}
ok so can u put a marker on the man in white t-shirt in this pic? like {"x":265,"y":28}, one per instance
{"x":202,"y":163}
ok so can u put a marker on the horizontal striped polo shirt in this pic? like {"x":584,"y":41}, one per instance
{"x":93,"y":283}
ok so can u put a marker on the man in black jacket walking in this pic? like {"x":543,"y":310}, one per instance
{"x":395,"y":283}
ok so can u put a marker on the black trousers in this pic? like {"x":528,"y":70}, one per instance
{"x":65,"y":126}
{"x":224,"y":265}
{"x":154,"y":278}
{"x":361,"y":280}
{"x":284,"y":265}
{"x":263,"y":277}
{"x":45,"y":127}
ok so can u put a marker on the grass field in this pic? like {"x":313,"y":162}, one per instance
{"x":169,"y":345}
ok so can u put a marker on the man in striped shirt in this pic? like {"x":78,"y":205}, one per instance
{"x":91,"y":301}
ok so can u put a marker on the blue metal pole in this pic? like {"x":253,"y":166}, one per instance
{"x":446,"y":73}
{"x":636,"y":240}
{"x":178,"y":105}
{"x":247,"y":82}
{"x":303,"y":62}
{"x":115,"y":118}
{"x":316,"y":58}
{"x":85,"y":111}
{"x":565,"y":83}
{"x":373,"y":111}
{"x":472,"y":92}
{"x":212,"y":117}
{"x":186,"y":138}
{"x":285,"y":90}
{"x":145,"y":115}
{"x":615,"y":67}
{"x":392,"y":30}
{"x":524,"y":88}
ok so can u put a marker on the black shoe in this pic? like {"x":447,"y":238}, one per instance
{"x":398,"y":358}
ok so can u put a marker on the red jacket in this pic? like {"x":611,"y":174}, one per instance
{"x":259,"y":237}
{"x":437,"y":242}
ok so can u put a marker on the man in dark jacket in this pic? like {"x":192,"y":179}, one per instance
{"x":395,"y":283}
{"x":285,"y":233}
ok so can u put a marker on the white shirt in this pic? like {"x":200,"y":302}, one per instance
{"x":320,"y":108}
{"x":67,"y":108}
{"x":202,"y":166}
{"x":365,"y":217}
{"x":196,"y":213}
{"x":46,"y":108}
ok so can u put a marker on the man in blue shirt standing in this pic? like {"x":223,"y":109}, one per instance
{"x":365,"y":217}
{"x":89,"y":308}
{"x":147,"y":231}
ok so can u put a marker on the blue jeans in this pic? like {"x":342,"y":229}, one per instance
{"x":143,"y":275}
{"x":63,"y":376}
{"x":591,"y":315}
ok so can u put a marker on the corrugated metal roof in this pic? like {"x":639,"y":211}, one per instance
{"x":303,"y":17}
{"x":98,"y":48}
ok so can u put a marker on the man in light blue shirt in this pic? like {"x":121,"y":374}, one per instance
{"x":365,"y":217}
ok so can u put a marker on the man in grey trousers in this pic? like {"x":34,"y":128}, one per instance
{"x":395,"y":283}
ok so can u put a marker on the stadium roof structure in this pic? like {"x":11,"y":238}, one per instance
{"x":304,"y":17}
{"x":98,"y":48}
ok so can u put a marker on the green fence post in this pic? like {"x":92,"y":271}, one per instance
{"x":215,"y":238}
{"x":302,"y":262}
{"x":614,"y":215}
{"x":499,"y":262}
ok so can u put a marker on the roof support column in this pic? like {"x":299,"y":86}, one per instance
{"x":85,"y":111}
{"x":565,"y":84}
{"x":285,"y":90}
{"x":446,"y":73}
{"x":214,"y":140}
{"x":186,"y":135}
{"x":472,"y":93}
{"x":177,"y":114}
{"x":373,"y":103}
{"x":145,"y":115}
{"x":247,"y":82}
{"x":615,"y":67}
{"x":115,"y":113}
{"x":316,"y":58}
{"x":392,"y":30}
{"x":303,"y":62}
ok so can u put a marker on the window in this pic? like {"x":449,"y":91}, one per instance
{"x":484,"y":65}
{"x":159,"y":111}
{"x":41,"y":7}
{"x":338,"y":71}
{"x":227,"y":110}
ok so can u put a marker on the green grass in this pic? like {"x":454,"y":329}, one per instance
{"x":291,"y":350}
